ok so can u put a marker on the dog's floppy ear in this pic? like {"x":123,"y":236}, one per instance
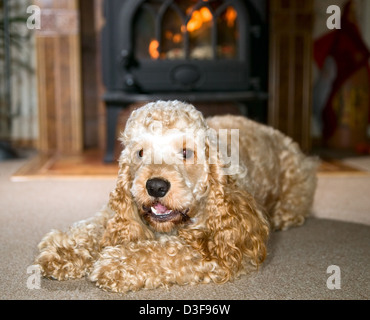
{"x":125,"y":224}
{"x":234,"y":230}
{"x":238,"y":230}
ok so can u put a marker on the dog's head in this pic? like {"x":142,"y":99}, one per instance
{"x":165,"y":153}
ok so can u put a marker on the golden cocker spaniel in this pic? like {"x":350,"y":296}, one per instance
{"x":194,"y":202}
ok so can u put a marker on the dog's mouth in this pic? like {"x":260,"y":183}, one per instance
{"x":160,"y":213}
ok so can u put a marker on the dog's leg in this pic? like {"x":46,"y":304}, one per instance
{"x":151,"y":264}
{"x":70,"y":255}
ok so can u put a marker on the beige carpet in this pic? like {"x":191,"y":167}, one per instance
{"x":296,"y":267}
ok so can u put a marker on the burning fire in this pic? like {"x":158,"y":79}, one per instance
{"x":198,"y":18}
{"x":174,"y":37}
{"x":153,"y":49}
{"x":203,"y":15}
{"x":197,"y":21}
{"x":230,"y":16}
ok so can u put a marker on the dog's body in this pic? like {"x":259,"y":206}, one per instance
{"x":186,"y":209}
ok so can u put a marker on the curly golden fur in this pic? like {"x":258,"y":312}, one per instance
{"x":181,"y":213}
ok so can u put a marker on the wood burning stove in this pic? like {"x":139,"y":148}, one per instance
{"x":192,"y":50}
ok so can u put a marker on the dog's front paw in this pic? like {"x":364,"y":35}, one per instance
{"x":110,"y":276}
{"x":63,"y":258}
{"x":114,"y":271}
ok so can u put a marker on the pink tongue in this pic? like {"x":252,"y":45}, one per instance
{"x":160,"y":208}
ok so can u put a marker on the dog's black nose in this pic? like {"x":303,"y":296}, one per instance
{"x":157,"y":187}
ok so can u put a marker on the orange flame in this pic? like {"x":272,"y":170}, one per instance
{"x":177,"y":38}
{"x":198,"y":18}
{"x":230,"y":16}
{"x":153,"y":49}
{"x":174,"y":37}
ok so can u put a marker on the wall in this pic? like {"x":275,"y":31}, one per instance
{"x":24,"y":124}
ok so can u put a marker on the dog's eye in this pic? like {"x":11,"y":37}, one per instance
{"x":140,"y":153}
{"x":187,"y":153}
